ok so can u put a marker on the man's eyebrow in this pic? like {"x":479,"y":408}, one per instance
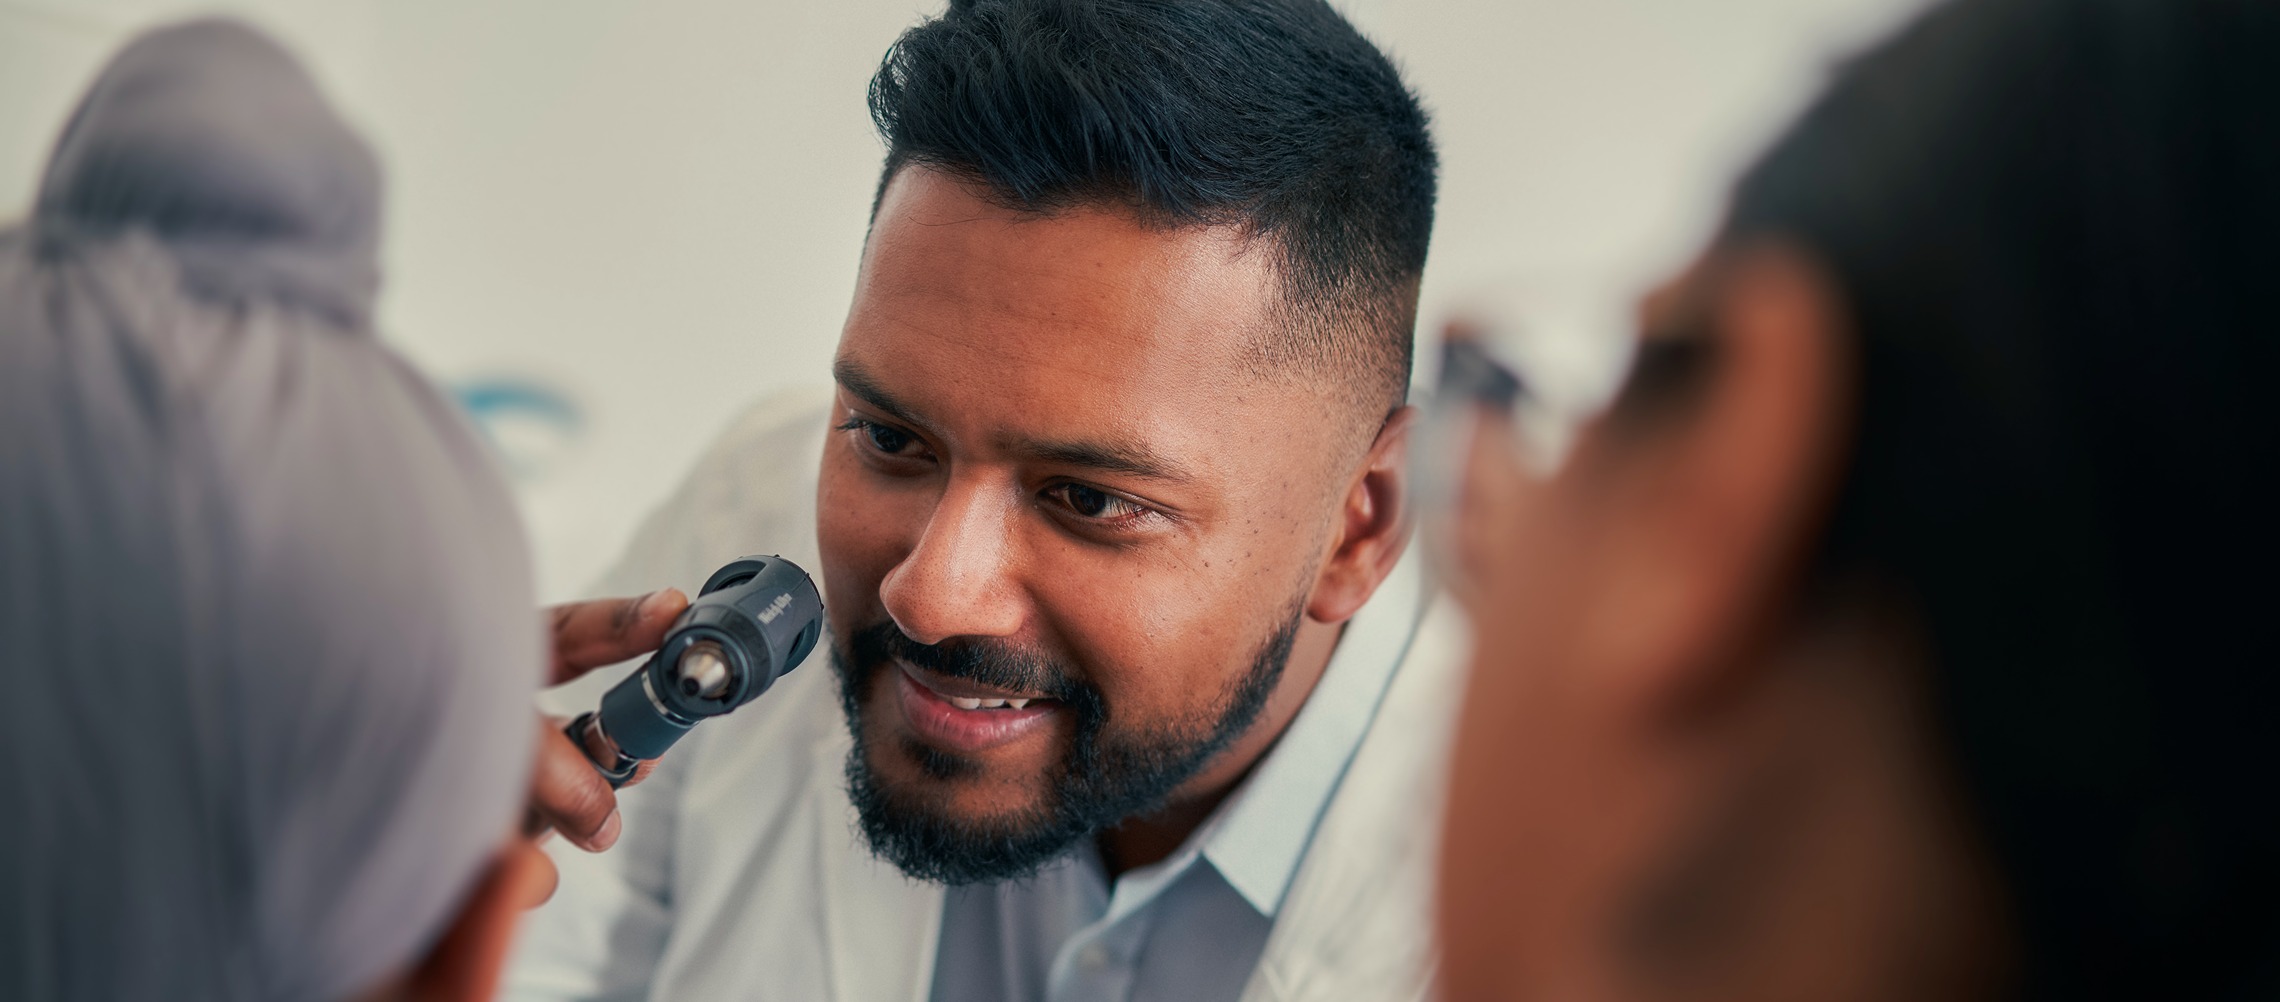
{"x":1108,"y":457}
{"x":860,"y":383}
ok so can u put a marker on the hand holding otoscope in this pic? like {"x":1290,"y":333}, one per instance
{"x":755,"y":619}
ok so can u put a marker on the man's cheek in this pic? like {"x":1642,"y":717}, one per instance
{"x":845,"y":501}
{"x":1155,"y":656}
{"x":857,"y":537}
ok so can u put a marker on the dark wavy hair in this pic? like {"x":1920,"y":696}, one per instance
{"x":2056,"y":224}
{"x":1272,"y":115}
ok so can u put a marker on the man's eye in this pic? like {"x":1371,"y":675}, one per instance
{"x":887,"y":439}
{"x":1099,"y":505}
{"x":891,"y":441}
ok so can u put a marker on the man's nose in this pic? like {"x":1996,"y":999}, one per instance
{"x":959,"y":580}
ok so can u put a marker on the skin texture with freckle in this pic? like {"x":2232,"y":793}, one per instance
{"x":1050,"y":446}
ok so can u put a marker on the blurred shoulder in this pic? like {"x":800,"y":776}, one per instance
{"x":1357,"y":920}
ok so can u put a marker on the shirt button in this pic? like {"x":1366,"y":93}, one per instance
{"x":1095,"y":958}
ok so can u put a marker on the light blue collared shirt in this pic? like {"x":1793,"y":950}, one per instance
{"x":1191,"y":927}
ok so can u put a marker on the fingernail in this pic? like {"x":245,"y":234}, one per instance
{"x":651,"y":603}
{"x":607,"y":835}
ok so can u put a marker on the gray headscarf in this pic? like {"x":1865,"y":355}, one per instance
{"x":266,"y":637}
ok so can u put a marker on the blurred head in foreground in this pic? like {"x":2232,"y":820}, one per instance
{"x":265,"y":616}
{"x":1892,"y":636}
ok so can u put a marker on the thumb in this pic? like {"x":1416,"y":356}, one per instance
{"x":591,"y":634}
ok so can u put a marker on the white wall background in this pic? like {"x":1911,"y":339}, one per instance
{"x":656,"y":207}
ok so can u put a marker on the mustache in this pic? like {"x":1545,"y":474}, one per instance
{"x":974,"y":659}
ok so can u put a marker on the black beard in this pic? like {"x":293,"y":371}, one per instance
{"x":1103,"y":780}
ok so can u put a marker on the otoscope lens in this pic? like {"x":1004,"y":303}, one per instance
{"x":703,"y":671}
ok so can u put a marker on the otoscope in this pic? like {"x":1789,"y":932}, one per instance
{"x":755,"y":620}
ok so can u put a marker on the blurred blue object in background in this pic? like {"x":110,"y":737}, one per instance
{"x":532,"y":425}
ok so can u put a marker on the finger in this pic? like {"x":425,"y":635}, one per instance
{"x":640,"y":772}
{"x":567,"y":794}
{"x":535,"y":874}
{"x":588,"y":635}
{"x":548,"y":881}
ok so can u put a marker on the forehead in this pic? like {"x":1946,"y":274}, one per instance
{"x":981,"y":314}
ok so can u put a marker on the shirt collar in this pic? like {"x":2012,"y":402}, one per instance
{"x":1256,"y":839}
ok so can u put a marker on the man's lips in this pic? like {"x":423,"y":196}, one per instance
{"x":958,"y":715}
{"x":962,"y":691}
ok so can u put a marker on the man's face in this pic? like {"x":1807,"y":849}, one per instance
{"x":1067,"y":531}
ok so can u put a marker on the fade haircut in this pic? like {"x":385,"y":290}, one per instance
{"x":1273,"y":116}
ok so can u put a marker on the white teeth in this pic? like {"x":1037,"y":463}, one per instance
{"x":973,"y":703}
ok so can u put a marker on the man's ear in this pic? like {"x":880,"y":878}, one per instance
{"x":1375,"y":527}
{"x":1713,"y":493}
{"x":465,"y":963}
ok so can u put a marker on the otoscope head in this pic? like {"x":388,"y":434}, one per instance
{"x":704,"y":671}
{"x":756,"y":619}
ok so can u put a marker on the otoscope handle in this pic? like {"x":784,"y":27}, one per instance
{"x":608,"y":759}
{"x":631,"y":727}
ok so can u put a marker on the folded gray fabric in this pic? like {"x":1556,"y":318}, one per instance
{"x":266,"y":630}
